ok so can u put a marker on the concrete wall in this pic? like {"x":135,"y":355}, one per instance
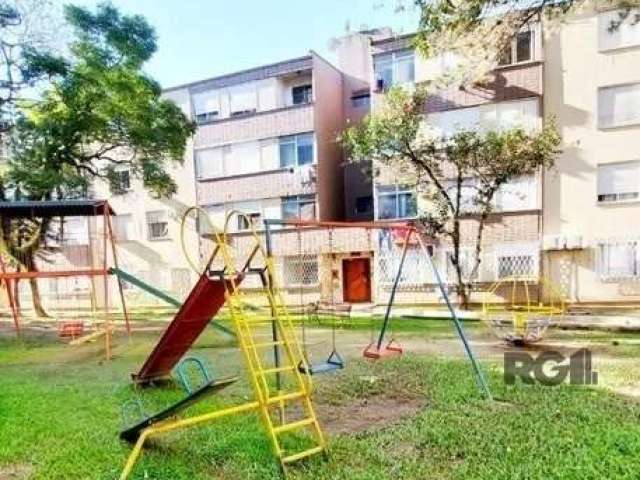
{"x":574,"y":70}
{"x":161,"y":261}
{"x":328,"y":124}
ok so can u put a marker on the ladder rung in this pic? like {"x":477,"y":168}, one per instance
{"x":254,"y":323}
{"x":285,"y":396}
{"x":294,"y":425}
{"x":267,"y":344}
{"x":301,"y":455}
{"x":288,"y":368}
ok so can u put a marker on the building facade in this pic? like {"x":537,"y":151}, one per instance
{"x":511,"y":96}
{"x":266,"y":145}
{"x":592,"y":87}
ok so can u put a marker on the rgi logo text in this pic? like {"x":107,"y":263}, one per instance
{"x":549,"y":368}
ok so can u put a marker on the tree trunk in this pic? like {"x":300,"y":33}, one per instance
{"x":37,"y":300}
{"x":30,"y":266}
{"x":461,"y":287}
{"x":16,"y":295}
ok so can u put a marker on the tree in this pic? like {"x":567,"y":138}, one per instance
{"x":26,"y":28}
{"x":102,"y":113}
{"x":458,"y":175}
{"x":478,"y":31}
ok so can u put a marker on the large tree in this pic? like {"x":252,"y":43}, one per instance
{"x":27,"y":31}
{"x":458,"y":175}
{"x":102,"y":113}
{"x":478,"y":31}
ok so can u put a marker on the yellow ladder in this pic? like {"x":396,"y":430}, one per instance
{"x":274,"y":399}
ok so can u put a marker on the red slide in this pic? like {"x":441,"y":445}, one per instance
{"x":202,"y":304}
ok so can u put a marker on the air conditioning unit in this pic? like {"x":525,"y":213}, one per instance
{"x":308,"y":174}
{"x":553,"y":242}
{"x":575,"y":242}
{"x":563,"y":242}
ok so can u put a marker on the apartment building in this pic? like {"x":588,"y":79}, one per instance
{"x":512,"y":95}
{"x":267,"y":146}
{"x":591,"y":209}
{"x":148,"y":230}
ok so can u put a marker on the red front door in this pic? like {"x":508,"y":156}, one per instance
{"x":356,"y":280}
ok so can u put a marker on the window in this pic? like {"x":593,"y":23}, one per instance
{"x":157,"y":225}
{"x":394,"y":69}
{"x":618,"y":260}
{"x":209,"y":163}
{"x":396,"y":202}
{"x":301,"y":94}
{"x":241,"y":158}
{"x":360,"y":100}
{"x":296,"y":150}
{"x":299,"y":207}
{"x":364,"y":204}
{"x":467,"y":260}
{"x":616,"y":29}
{"x":468,"y":194}
{"x":506,"y":115}
{"x":72,"y":231}
{"x":618,"y":182}
{"x":123,"y":227}
{"x":249,"y":221}
{"x":206,"y":106}
{"x":518,"y":266}
{"x":519,"y":194}
{"x":619,"y":106}
{"x":519,"y":50}
{"x":300,"y":270}
{"x":228,"y":160}
{"x":243,"y":100}
{"x":120,"y":182}
{"x":451,"y":121}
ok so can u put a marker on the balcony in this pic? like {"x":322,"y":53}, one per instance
{"x":506,"y":83}
{"x":273,"y":123}
{"x":281,"y":182}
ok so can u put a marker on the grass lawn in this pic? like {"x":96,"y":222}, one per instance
{"x":415,"y":417}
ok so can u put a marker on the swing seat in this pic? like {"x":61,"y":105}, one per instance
{"x":392,"y":349}
{"x":334,"y":362}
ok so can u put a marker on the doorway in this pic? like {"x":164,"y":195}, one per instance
{"x":356,"y":280}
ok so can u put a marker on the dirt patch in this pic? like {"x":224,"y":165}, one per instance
{"x":19,"y":471}
{"x":365,"y":415}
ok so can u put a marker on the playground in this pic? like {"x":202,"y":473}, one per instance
{"x":415,"y":416}
{"x":282,"y":389}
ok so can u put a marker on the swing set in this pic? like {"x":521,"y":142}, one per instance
{"x":69,"y":262}
{"x":323,"y":237}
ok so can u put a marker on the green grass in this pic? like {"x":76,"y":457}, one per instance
{"x":60,"y":409}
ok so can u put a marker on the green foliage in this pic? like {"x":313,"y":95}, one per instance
{"x":67,"y":403}
{"x":102,"y":113}
{"x":26,"y":56}
{"x":399,"y":139}
{"x":462,"y":21}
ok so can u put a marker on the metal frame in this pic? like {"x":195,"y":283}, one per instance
{"x":48,"y":209}
{"x":410,"y":229}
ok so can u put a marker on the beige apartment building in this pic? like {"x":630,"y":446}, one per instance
{"x":266,"y":145}
{"x":512,"y":96}
{"x":591,"y":237}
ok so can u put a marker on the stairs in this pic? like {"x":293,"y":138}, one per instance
{"x":283,"y":393}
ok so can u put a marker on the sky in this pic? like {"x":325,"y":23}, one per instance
{"x":198,"y":39}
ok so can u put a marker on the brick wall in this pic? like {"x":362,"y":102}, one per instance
{"x":508,"y":83}
{"x":250,"y":75}
{"x":286,"y":121}
{"x":277,"y":183}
